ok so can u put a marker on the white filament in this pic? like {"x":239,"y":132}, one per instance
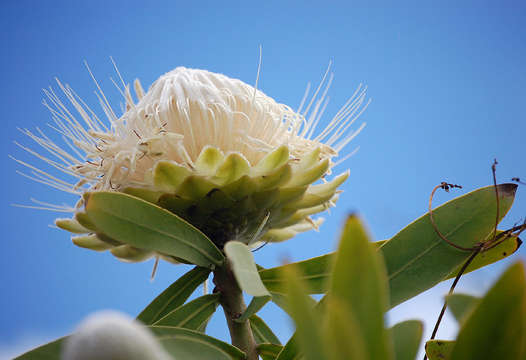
{"x":182,"y":112}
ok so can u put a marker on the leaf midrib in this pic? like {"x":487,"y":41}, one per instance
{"x":191,"y":315}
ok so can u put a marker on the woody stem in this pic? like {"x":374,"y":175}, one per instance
{"x":231,"y":300}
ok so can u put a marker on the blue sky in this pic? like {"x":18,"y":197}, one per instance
{"x":447,"y":83}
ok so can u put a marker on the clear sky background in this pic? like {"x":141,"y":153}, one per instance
{"x":447,"y":83}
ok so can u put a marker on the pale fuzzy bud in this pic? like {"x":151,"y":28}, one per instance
{"x":110,"y":335}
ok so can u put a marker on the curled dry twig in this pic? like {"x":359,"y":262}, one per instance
{"x":479,"y":247}
{"x":475,"y":251}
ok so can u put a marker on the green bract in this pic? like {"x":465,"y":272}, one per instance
{"x":227,"y":199}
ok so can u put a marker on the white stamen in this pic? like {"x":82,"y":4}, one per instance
{"x":184,"y":111}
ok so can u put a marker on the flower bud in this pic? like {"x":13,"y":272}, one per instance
{"x":110,"y":335}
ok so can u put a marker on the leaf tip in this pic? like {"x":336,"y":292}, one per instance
{"x":352,"y":215}
{"x":507,"y":189}
{"x":519,"y":243}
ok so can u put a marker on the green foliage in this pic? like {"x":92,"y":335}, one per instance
{"x":308,"y":333}
{"x":361,"y":281}
{"x":315,"y":273}
{"x":290,"y":351}
{"x":132,"y":221}
{"x":246,"y":273}
{"x":262,"y":332}
{"x":439,"y":349}
{"x":359,"y":290}
{"x":269,"y":351}
{"x":493,"y":327}
{"x":502,"y":250}
{"x":461,"y":305}
{"x":174,"y":296}
{"x":340,"y":322}
{"x":49,"y":351}
{"x":191,"y":315}
{"x":406,"y":338}
{"x":496,"y":328}
{"x":179,"y":342}
{"x":417,"y":259}
{"x":189,"y":344}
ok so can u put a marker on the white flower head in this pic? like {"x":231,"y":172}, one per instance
{"x":209,"y":132}
{"x":110,"y":335}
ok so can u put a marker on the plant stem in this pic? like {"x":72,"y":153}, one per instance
{"x":233,"y":306}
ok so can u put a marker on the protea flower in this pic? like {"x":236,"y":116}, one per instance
{"x":213,"y":150}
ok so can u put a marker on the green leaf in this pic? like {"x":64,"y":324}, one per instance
{"x":496,"y":329}
{"x":417,"y":259}
{"x":308,"y":332}
{"x":440,"y":349}
{"x":49,"y":351}
{"x":406,"y":338}
{"x":254,"y":306}
{"x":461,"y":305}
{"x":246,"y":274}
{"x":180,"y":343}
{"x":146,"y":226}
{"x":359,"y":282}
{"x":290,"y":351}
{"x":281,"y":301}
{"x":202,"y":328}
{"x":244,"y":268}
{"x":262,"y":332}
{"x":314,"y":273}
{"x":269,"y":351}
{"x":507,"y":247}
{"x":174,"y":296}
{"x":189,"y":344}
{"x":191,"y":315}
{"x":342,"y":333}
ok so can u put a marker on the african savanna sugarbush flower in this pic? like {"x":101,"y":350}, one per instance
{"x":213,"y":150}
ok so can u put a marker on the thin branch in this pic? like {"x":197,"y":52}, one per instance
{"x":494,"y":172}
{"x":480,"y":247}
{"x":451,"y":289}
{"x":154,"y":270}
{"x":514,"y":231}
